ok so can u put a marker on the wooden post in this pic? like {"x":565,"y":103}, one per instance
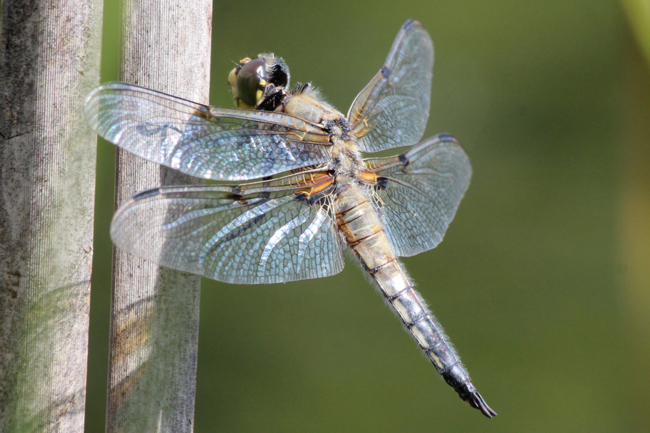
{"x":49,"y":62}
{"x":155,"y":311}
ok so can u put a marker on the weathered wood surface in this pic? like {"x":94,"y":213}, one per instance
{"x":155,"y":311}
{"x":49,"y":62}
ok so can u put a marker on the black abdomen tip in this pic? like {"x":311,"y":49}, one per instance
{"x":456,"y":376}
{"x":476,"y":401}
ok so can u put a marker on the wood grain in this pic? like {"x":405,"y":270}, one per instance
{"x":155,"y":311}
{"x":49,"y":62}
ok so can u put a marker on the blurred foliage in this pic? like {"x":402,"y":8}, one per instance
{"x":634,"y":209}
{"x":529,"y":279}
{"x":638,"y":12}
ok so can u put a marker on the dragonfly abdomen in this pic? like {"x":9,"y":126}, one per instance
{"x":360,"y":224}
{"x":363,"y":232}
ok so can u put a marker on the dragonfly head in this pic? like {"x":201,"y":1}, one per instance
{"x":261,"y":83}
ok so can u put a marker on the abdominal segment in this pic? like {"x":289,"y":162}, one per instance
{"x":363,"y":231}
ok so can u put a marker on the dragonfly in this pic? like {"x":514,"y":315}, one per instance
{"x":312,"y":193}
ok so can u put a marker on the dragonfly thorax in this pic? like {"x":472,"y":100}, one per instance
{"x":307,"y":103}
{"x":346,"y":160}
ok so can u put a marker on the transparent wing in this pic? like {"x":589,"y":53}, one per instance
{"x":393,"y":109}
{"x":268,"y":235}
{"x":208,"y":142}
{"x":417,"y":193}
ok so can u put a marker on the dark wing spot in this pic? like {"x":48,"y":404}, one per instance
{"x":408,"y":25}
{"x":444,"y":136}
{"x":303,"y":197}
{"x":382,"y":182}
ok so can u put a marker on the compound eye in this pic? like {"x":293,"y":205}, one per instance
{"x":251,"y":80}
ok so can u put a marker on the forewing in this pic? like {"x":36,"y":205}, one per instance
{"x":257,"y":238}
{"x":208,"y":142}
{"x":393,"y":109}
{"x":418,"y":192}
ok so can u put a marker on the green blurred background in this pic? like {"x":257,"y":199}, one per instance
{"x":542,"y":280}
